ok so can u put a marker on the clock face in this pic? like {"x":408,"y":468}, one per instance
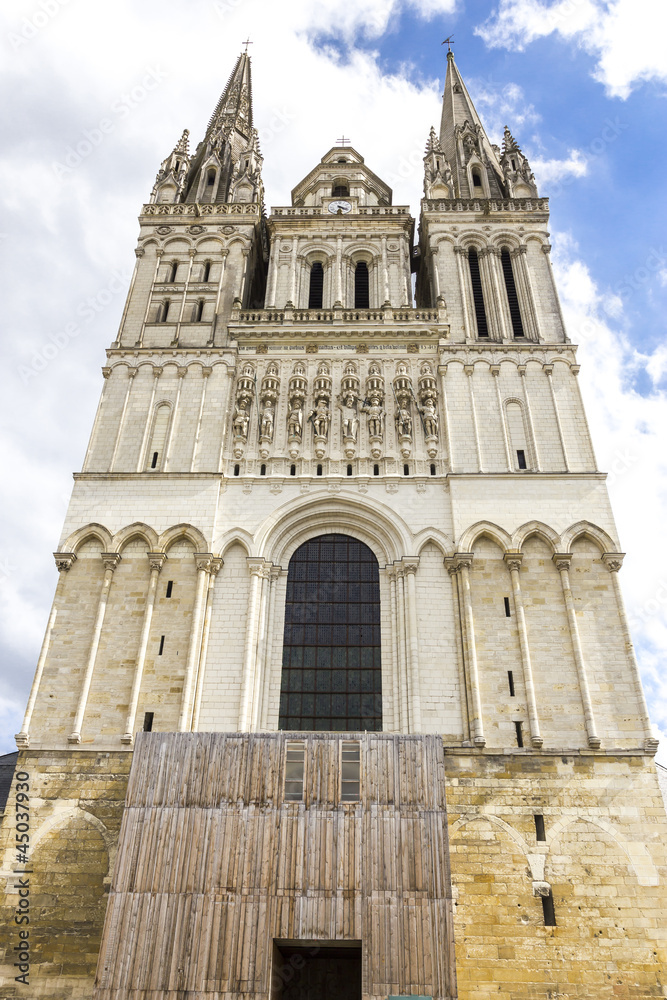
{"x":339,"y":206}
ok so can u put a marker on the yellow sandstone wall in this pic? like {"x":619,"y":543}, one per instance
{"x":75,"y":805}
{"x":605,"y":858}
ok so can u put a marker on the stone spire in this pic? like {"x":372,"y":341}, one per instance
{"x":171,"y":176}
{"x":438,"y":181}
{"x":519,"y":178}
{"x":229,"y":137}
{"x":473,"y":159}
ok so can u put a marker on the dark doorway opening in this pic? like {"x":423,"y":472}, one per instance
{"x":316,"y":971}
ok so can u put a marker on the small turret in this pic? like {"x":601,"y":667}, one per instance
{"x":438,"y":180}
{"x":246,"y":184}
{"x":170,"y":179}
{"x":519,"y":178}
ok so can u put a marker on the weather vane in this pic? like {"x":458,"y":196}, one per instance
{"x":448,"y":42}
{"x":342,"y":142}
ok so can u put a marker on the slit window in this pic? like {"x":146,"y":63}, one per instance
{"x":173,"y":272}
{"x":350,"y":778}
{"x":148,"y":722}
{"x":207,"y":271}
{"x":519,"y":733}
{"x":163,"y":312}
{"x":432,"y":469}
{"x":319,"y":470}
{"x":508,"y":613}
{"x":199,"y":311}
{"x":292,"y":470}
{"x":540,"y":833}
{"x":521,"y":458}
{"x":361,"y":293}
{"x":170,"y":588}
{"x":316,"y":286}
{"x":477,"y":293}
{"x":161,"y":649}
{"x":154,"y":460}
{"x":295,"y":763}
{"x":349,"y":470}
{"x":548,"y":910}
{"x":237,"y":470}
{"x":512,"y":297}
{"x":376,"y":470}
{"x":262,"y":470}
{"x":406,"y":470}
{"x":510,"y":682}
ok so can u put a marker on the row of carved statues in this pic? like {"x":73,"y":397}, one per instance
{"x":350,"y":403}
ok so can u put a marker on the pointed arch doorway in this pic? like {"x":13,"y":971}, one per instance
{"x":332,"y":670}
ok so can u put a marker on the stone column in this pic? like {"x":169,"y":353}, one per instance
{"x":64,"y":561}
{"x":466,"y":292}
{"x":203,"y":561}
{"x":275,"y":573}
{"x":206,"y":372}
{"x":442,"y":372}
{"x":339,"y":277}
{"x":111,"y":560}
{"x":453,"y":571}
{"x":292,"y":271}
{"x":182,"y":372}
{"x":513,"y":561}
{"x":216,"y":566}
{"x":224,"y":254}
{"x":410,"y":568}
{"x":177,"y":335}
{"x":525,"y":292}
{"x":562,"y":561}
{"x":529,"y":413}
{"x":495,"y":371}
{"x":490,"y":295}
{"x":500,"y":292}
{"x":434,"y":273}
{"x":158,"y":258}
{"x":121,"y":423}
{"x":385,"y":273}
{"x":395,"y":672}
{"x":402,"y":649}
{"x":258,"y":574}
{"x":470,"y":370}
{"x":548,"y":371}
{"x":157,"y":560}
{"x":613,"y":561}
{"x":463,"y":562}
{"x":270,"y":300}
{"x":149,"y":420}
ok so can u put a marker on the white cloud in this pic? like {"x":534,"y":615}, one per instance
{"x":546,"y":171}
{"x":624,"y":36}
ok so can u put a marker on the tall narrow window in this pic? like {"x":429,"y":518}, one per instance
{"x":549,"y":910}
{"x":540,"y":832}
{"x":199,"y":311}
{"x":477,"y":294}
{"x":206,"y":274}
{"x":512,"y":297}
{"x":163,"y":312}
{"x":148,"y":721}
{"x":361,"y":295}
{"x":316,"y":286}
{"x":295,"y":754}
{"x":210,"y":178}
{"x":332,"y":675}
{"x":159,"y":438}
{"x":173,"y":271}
{"x":476,"y":179}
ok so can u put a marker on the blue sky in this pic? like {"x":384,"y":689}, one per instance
{"x":582,"y":85}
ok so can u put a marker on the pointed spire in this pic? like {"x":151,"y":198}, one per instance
{"x":230,"y":146}
{"x":519,"y":178}
{"x":438,"y":182}
{"x":433,"y":143}
{"x":183,"y":143}
{"x":171,"y":176}
{"x":465,"y":143}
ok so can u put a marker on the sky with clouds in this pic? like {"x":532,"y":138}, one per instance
{"x":95,"y":95}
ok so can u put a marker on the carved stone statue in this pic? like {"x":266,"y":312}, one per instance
{"x":241,"y":420}
{"x":350,"y":418}
{"x":266,"y":426}
{"x":403,"y":422}
{"x":295,"y":421}
{"x":430,"y":417}
{"x":320,"y":417}
{"x":375,"y":413}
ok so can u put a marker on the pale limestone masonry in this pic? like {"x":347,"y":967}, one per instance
{"x":273,"y":381}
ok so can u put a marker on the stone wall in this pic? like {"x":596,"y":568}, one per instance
{"x":75,"y":805}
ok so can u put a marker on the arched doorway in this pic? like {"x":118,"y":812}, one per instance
{"x":332,"y":675}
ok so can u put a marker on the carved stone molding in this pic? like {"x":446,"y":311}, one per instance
{"x":157,"y":560}
{"x":562,"y":560}
{"x":111,"y":560}
{"x":64,"y":560}
{"x":513,"y":560}
{"x":204,"y":560}
{"x":613,"y":560}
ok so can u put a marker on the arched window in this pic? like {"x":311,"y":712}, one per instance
{"x":340,"y":191}
{"x":159,"y":437}
{"x":477,"y":294}
{"x":332,"y":676}
{"x":361,"y":294}
{"x":210,"y":177}
{"x":512,"y":297}
{"x":476,"y":179}
{"x":316,"y":286}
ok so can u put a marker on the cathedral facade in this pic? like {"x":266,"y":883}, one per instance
{"x":337,"y":696}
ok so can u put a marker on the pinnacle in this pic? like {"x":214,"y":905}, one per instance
{"x":182,"y":144}
{"x":509,"y":142}
{"x":433,"y":142}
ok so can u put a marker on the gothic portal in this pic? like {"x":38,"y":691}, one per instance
{"x":337,"y":696}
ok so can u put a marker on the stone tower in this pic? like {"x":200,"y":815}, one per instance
{"x":337,"y":694}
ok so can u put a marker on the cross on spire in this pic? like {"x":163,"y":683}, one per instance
{"x":247,"y":43}
{"x":448,"y":42}
{"x":342,"y":141}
